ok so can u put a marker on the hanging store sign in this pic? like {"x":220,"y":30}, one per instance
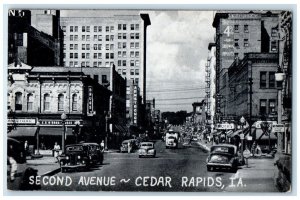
{"x":278,"y":128}
{"x":58,"y":122}
{"x":90,"y":106}
{"x":225,"y":126}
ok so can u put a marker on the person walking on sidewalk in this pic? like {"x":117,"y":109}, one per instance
{"x":56,"y":149}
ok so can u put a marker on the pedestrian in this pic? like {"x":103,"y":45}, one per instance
{"x":102,"y":145}
{"x":129,"y":147}
{"x":13,"y":163}
{"x":56,"y":149}
{"x":26,"y":148}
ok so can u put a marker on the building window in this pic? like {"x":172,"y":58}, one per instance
{"x":119,"y":36}
{"x":76,"y":37}
{"x":137,"y":45}
{"x":99,"y":55}
{"x":76,"y":28}
{"x":104,"y":79}
{"x":136,"y":80}
{"x":137,"y":36}
{"x":95,"y":46}
{"x":99,"y":46}
{"x":263,"y":79}
{"x":99,"y":37}
{"x":88,"y":47}
{"x":112,"y":28}
{"x":46,"y":102}
{"x":124,"y":45}
{"x":99,"y":64}
{"x":124,"y":36}
{"x":83,"y":37}
{"x":271,"y":79}
{"x":76,"y":64}
{"x":107,"y":55}
{"x":124,"y":54}
{"x":124,"y":63}
{"x":111,"y":46}
{"x":88,"y":37}
{"x":94,"y":64}
{"x":107,"y":38}
{"x":82,"y":64}
{"x":236,"y":28}
{"x":273,"y":46}
{"x":60,"y":102}
{"x":99,"y":28}
{"x":119,"y":26}
{"x":71,"y":29}
{"x":131,"y":54}
{"x":274,"y":32}
{"x":263,"y":107}
{"x":137,"y":63}
{"x":124,"y":72}
{"x":88,"y":29}
{"x":82,"y":55}
{"x":119,"y":63}
{"x":30,"y":102}
{"x":137,"y":27}
{"x":137,"y":72}
{"x":71,"y":64}
{"x":124,"y":27}
{"x":83,"y":47}
{"x":132,"y":63}
{"x":107,"y":46}
{"x":246,"y":42}
{"x":111,"y":38}
{"x":272,"y":106}
{"x":76,"y":55}
{"x":119,"y":54}
{"x":74,"y":102}
{"x":132,"y":27}
{"x":236,"y":43}
{"x":246,"y":28}
{"x":83,"y":28}
{"x":131,"y":45}
{"x":76,"y":47}
{"x":107,"y":29}
{"x":132,"y":72}
{"x":95,"y":29}
{"x":112,"y":56}
{"x":71,"y":55}
{"x":71,"y":37}
{"x":96,"y":78}
{"x":95,"y":55}
{"x":18,"y":101}
{"x":132,"y":36}
{"x":88,"y":64}
{"x":71,"y":46}
{"x":137,"y":54}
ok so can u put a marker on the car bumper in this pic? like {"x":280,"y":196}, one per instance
{"x":220,"y":165}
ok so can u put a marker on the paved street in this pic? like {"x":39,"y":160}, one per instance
{"x":182,"y":169}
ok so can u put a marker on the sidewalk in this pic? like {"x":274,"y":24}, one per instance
{"x":45,"y":165}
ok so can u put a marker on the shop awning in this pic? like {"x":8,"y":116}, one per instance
{"x":55,"y":131}
{"x":259,"y":133}
{"x":22,"y":132}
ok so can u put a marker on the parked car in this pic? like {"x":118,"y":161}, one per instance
{"x":134,"y":145}
{"x":18,"y":172}
{"x":81,"y":156}
{"x":223,"y":156}
{"x":147,"y":150}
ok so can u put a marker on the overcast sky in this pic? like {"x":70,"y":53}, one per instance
{"x":176,"y":55}
{"x":177,"y":50}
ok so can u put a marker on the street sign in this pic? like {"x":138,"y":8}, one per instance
{"x":247,"y":153}
{"x":278,"y":128}
{"x":224,"y":126}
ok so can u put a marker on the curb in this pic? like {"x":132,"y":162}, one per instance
{"x":203,"y":146}
{"x":51,"y":173}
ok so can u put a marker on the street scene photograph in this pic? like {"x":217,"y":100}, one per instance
{"x":116,"y":100}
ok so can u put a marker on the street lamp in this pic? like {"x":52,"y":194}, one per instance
{"x":107,"y":116}
{"x":279,"y":77}
{"x":243,"y":121}
{"x":63,"y":118}
{"x":38,"y":138}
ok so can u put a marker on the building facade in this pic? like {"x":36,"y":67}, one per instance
{"x":113,"y":39}
{"x":238,"y":33}
{"x":38,"y":96}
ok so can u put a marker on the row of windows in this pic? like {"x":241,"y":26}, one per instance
{"x":88,"y":64}
{"x":266,"y":108}
{"x":46,"y":102}
{"x":99,"y":46}
{"x":132,"y":45}
{"x":133,"y":54}
{"x":132,"y":63}
{"x":274,"y":31}
{"x":132,"y":72}
{"x":132,"y":36}
{"x":264,"y":81}
{"x":246,"y":43}
{"x":99,"y":28}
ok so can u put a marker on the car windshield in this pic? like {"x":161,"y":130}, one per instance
{"x":220,"y":149}
{"x":147,"y":145}
{"x":74,"y":148}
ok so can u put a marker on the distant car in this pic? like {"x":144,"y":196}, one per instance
{"x":18,"y":175}
{"x":147,"y":150}
{"x":134,"y":145}
{"x":186,"y":142}
{"x":223,"y":156}
{"x":81,"y":156}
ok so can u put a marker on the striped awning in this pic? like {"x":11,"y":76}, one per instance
{"x":55,"y":131}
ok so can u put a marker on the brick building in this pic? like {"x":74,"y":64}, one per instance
{"x":32,"y":43}
{"x":38,"y":96}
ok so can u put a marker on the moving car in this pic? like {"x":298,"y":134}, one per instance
{"x":223,"y":156}
{"x":124,"y":146}
{"x":81,"y":156}
{"x":147,"y":150}
{"x":18,"y":172}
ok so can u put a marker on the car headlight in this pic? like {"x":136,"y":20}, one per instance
{"x":67,"y":158}
{"x":78,"y":157}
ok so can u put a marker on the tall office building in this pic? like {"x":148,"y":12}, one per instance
{"x":238,"y":33}
{"x":105,"y":38}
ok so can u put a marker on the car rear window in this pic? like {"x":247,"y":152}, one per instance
{"x":223,"y":149}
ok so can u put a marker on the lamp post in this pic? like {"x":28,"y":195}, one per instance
{"x":63,"y":118}
{"x":106,"y":129}
{"x":242,"y":120}
{"x":279,"y":77}
{"x":38,"y":138}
